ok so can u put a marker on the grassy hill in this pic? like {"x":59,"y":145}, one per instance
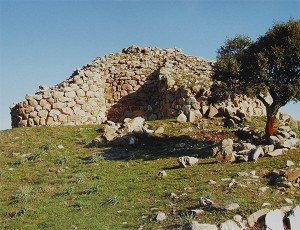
{"x":52,"y":178}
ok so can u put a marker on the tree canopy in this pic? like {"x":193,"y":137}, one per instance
{"x":269,"y":66}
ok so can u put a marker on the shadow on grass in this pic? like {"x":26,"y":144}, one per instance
{"x":149,"y":147}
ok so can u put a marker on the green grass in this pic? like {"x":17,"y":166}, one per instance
{"x":79,"y":186}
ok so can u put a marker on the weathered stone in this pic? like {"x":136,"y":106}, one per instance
{"x":212,"y":111}
{"x":276,"y":152}
{"x":292,"y":174}
{"x":257,"y":153}
{"x":110,"y":132}
{"x":126,"y":84}
{"x":195,"y":225}
{"x":160,"y":130}
{"x":181,"y":118}
{"x":161,"y":216}
{"x":274,"y":140}
{"x":187,"y":161}
{"x":162,"y":174}
{"x":54,"y":112}
{"x":67,"y":111}
{"x":229,"y":225}
{"x":134,"y":125}
{"x":294,"y":218}
{"x":274,"y":220}
{"x":192,"y":116}
{"x":289,"y":163}
{"x":254,"y":217}
{"x":268,"y":148}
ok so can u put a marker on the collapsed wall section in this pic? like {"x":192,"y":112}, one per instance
{"x":152,"y":83}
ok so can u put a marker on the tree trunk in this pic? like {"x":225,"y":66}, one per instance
{"x":270,"y":126}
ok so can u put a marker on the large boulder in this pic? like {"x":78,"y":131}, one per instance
{"x":133,"y":125}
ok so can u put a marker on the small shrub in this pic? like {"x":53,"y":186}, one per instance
{"x":22,"y":211}
{"x":37,"y":154}
{"x":185,"y":218}
{"x":20,"y":161}
{"x":2,"y":171}
{"x":77,"y":206}
{"x":96,"y":157}
{"x":46,"y":146}
{"x":110,"y":201}
{"x":63,"y":160}
{"x":22,"y":196}
{"x":93,"y":190}
{"x":68,"y":191}
{"x":80,"y":177}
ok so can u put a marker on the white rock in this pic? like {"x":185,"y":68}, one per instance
{"x":162,"y":174}
{"x":134,"y":125}
{"x":197,"y":212}
{"x":60,"y":146}
{"x":159,"y":130}
{"x":238,"y":218}
{"x":161,"y":217}
{"x":254,"y":217}
{"x":266,"y":204}
{"x":187,"y":161}
{"x":274,"y":140}
{"x":257,"y":153}
{"x":264,"y":189}
{"x":194,"y":225}
{"x":229,"y":225}
{"x":294,"y":218}
{"x":276,"y":152}
{"x":289,"y":163}
{"x":274,"y":220}
{"x":289,"y":201}
{"x":211,"y":182}
{"x":181,"y":118}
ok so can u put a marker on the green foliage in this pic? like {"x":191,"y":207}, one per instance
{"x":47,"y":145}
{"x":268,"y":66}
{"x":22,"y":196}
{"x":63,"y":160}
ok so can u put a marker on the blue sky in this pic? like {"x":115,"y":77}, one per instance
{"x":42,"y":41}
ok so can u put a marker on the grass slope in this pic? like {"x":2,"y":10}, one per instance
{"x":83,"y":187}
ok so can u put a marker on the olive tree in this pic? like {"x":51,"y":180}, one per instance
{"x":269,"y":66}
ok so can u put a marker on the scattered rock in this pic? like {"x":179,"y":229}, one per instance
{"x":162,"y":174}
{"x":195,"y":225}
{"x":229,"y":225}
{"x":274,"y":220}
{"x":266,"y":204}
{"x":160,"y":130}
{"x":292,"y":174}
{"x":257,"y":153}
{"x":173,"y":196}
{"x":211,"y":182}
{"x":275,"y":153}
{"x":161,"y":216}
{"x":187,"y":161}
{"x":263,"y":189}
{"x":254,"y":217}
{"x":289,"y":163}
{"x":289,"y":201}
{"x":134,"y":125}
{"x":60,"y":146}
{"x":212,"y":111}
{"x":197,"y":212}
{"x":225,"y":206}
{"x":294,"y":218}
{"x":181,"y":118}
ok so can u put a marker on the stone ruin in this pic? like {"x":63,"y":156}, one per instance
{"x":152,"y":83}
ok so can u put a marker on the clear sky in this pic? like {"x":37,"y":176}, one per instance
{"x":42,"y":41}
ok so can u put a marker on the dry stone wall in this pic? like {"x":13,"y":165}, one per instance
{"x":152,"y":83}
